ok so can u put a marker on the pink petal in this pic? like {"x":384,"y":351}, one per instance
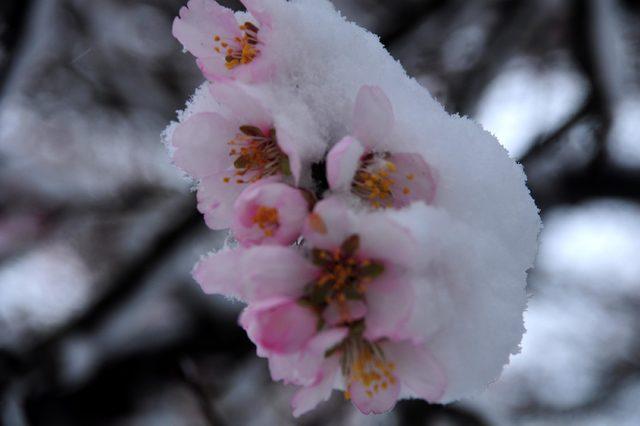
{"x":214,"y":69}
{"x":390,"y":302}
{"x":342,"y":163}
{"x":355,"y":309}
{"x":216,"y":198}
{"x":329,"y":224}
{"x":369,"y":401}
{"x":414,"y":180}
{"x":271,"y":271}
{"x":279,"y":325}
{"x":385,"y":240}
{"x":243,"y":107}
{"x":292,"y":208}
{"x":307,"y":366}
{"x":201,"y":144}
{"x":307,"y":398}
{"x":199,"y":22}
{"x":417,"y":369}
{"x":219,"y":274}
{"x":373,"y":118}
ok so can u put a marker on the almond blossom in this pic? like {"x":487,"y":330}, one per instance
{"x":380,"y":177}
{"x":354,"y":281}
{"x":231,"y":149}
{"x":391,"y":264}
{"x":226,"y":47}
{"x":270,"y":213}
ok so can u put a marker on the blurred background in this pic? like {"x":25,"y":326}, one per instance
{"x":100,"y":321}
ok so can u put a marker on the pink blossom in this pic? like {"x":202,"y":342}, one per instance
{"x":353,"y":279}
{"x":269,"y":213}
{"x":225,"y":47}
{"x":359,"y":165}
{"x":348,"y":257}
{"x":229,"y":150}
{"x":375,"y":375}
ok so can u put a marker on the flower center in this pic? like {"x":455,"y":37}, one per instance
{"x":256,"y":155}
{"x":343,"y":275}
{"x":267,"y":219}
{"x":373,"y":180}
{"x":242,"y":50}
{"x":364,"y":362}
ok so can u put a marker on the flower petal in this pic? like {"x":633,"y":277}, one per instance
{"x":201,"y":144}
{"x":329,"y":224}
{"x":279,"y":325}
{"x":199,"y":22}
{"x":283,"y":227}
{"x":342,"y":163}
{"x":307,"y":366}
{"x":386,"y":240}
{"x":390,"y":302}
{"x":307,"y":398}
{"x":374,"y":402}
{"x":216,"y":198}
{"x":270,"y":271}
{"x":373,"y":118}
{"x":417,"y":369}
{"x":219,"y":273}
{"x":245,"y":108}
{"x":413,"y":180}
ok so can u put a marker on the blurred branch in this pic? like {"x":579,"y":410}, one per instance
{"x":12,"y":29}
{"x":191,"y":377}
{"x":408,"y":18}
{"x":514,"y":27}
{"x":125,"y":283}
{"x":544,"y":144}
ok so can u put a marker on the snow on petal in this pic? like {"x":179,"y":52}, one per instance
{"x":418,"y":251}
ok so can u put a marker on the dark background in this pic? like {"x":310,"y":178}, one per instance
{"x":100,"y":322}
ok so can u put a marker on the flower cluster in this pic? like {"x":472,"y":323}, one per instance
{"x":380,"y":244}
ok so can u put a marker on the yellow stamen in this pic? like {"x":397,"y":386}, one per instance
{"x":373,"y":181}
{"x":242,"y":50}
{"x":267,"y":219}
{"x":255,"y":155}
{"x":317,"y":224}
{"x":344,"y":274}
{"x":364,"y":363}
